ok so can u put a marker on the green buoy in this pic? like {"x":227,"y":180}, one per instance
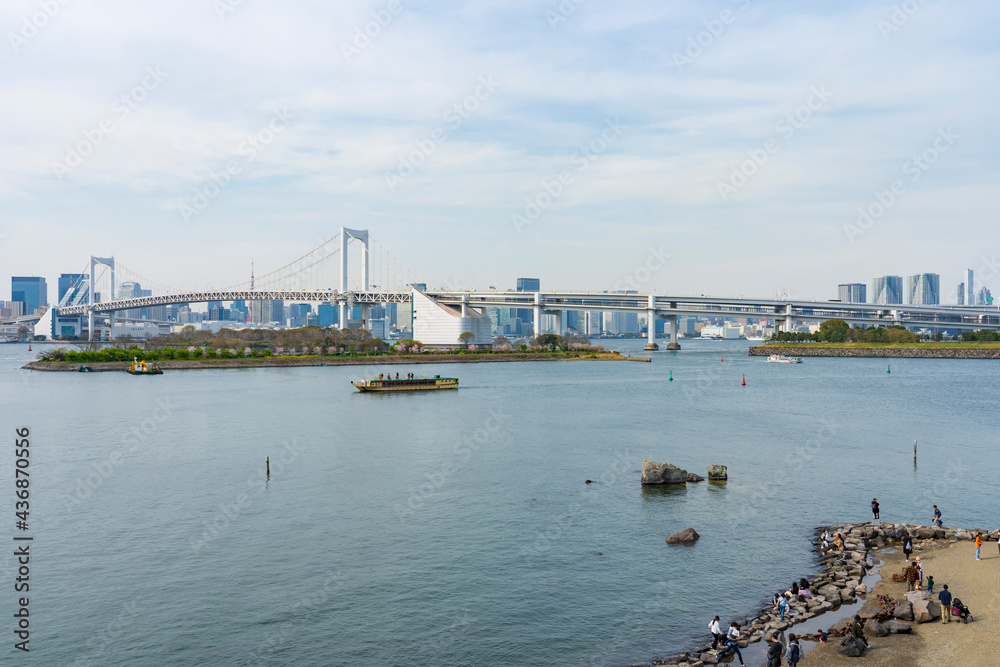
{"x":671,"y":378}
{"x":888,"y":369}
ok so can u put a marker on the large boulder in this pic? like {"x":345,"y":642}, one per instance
{"x":686,"y":536}
{"x":709,"y":658}
{"x":925,"y":533}
{"x":903,"y":611}
{"x":925,"y":611}
{"x":873,"y":627}
{"x":662,"y":473}
{"x":718,"y":473}
{"x":851,"y":647}
{"x":897,"y":628}
{"x":916,"y":596}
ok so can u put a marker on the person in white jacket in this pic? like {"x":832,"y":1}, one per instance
{"x":716,"y":631}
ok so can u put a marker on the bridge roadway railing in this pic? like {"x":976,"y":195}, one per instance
{"x":326,"y":296}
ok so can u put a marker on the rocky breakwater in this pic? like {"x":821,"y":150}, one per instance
{"x":915,"y":352}
{"x":837,"y":583}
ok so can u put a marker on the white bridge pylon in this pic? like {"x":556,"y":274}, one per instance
{"x":345,"y":236}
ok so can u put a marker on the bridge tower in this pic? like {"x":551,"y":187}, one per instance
{"x":359,"y":235}
{"x":94,"y":261}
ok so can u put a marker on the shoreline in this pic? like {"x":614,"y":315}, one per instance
{"x":286,"y":362}
{"x":848,"y":583}
{"x":876,"y":352}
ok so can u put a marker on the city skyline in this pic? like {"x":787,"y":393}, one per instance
{"x":480,"y":142}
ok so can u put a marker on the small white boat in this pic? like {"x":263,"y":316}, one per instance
{"x":783,"y":359}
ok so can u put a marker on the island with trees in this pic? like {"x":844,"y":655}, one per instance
{"x":191,"y":348}
{"x":837,"y":338}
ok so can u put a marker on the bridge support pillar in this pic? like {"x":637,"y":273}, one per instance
{"x":561,"y":322}
{"x":537,"y":315}
{"x":651,"y":324}
{"x":672,"y":332}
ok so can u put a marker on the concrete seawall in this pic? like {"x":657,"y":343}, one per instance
{"x":880,"y":352}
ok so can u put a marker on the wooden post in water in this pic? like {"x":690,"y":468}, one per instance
{"x":267,"y":462}
{"x":914,"y":452}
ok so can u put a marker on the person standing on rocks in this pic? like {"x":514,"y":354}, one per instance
{"x":716,"y":631}
{"x":732,"y":639}
{"x":783,"y":606}
{"x":907,"y":548}
{"x":875,"y":509}
{"x":937,"y":516}
{"x":945,"y":597}
{"x":979,"y":544}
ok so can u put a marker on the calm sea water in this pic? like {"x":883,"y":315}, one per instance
{"x":456,"y":528}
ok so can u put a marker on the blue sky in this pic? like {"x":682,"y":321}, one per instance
{"x":648,"y":110}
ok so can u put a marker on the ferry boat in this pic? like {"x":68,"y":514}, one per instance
{"x":409,"y":383}
{"x":783,"y":359}
{"x":142,"y":368}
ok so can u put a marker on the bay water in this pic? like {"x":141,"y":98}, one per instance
{"x":457,"y":528}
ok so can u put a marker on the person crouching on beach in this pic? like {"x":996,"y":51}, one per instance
{"x":858,"y":630}
{"x":822,"y":635}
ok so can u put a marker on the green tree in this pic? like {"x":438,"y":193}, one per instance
{"x":834,"y":331}
{"x":466,"y":337}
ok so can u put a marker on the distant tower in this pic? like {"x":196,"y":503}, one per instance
{"x":970,"y":291}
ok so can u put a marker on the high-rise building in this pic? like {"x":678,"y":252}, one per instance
{"x":526,"y":315}
{"x":970,"y":290}
{"x":68,"y":281}
{"x":961,"y":294}
{"x":983,"y":297}
{"x":328,"y":314}
{"x":887,"y":290}
{"x":528,"y":284}
{"x":923,"y":289}
{"x":31,"y":291}
{"x":851,"y":292}
{"x":277,"y":311}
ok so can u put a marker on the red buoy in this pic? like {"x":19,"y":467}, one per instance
{"x":722,"y":358}
{"x":744,"y":379}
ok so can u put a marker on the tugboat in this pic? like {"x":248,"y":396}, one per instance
{"x":385,"y":382}
{"x":142,"y":368}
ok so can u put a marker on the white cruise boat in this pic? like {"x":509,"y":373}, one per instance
{"x":783,"y":359}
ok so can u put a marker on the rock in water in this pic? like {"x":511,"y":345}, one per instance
{"x":709,"y":658}
{"x":718,"y":473}
{"x":691,"y":477}
{"x":903,"y":611}
{"x":851,"y":646}
{"x":662,"y":473}
{"x":897,"y":628}
{"x":686,"y":536}
{"x":873,"y":627}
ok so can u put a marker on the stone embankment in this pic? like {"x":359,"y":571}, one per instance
{"x":878,"y":352}
{"x":840,"y":583}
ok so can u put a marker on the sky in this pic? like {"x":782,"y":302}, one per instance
{"x":723,"y":147}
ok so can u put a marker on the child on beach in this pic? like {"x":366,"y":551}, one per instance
{"x":930,"y":584}
{"x":822,"y":635}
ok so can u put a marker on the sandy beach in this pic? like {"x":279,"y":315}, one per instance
{"x":976,"y":583}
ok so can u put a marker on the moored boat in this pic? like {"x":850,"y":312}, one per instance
{"x":142,"y":368}
{"x":408,"y":383}
{"x":783,"y":359}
